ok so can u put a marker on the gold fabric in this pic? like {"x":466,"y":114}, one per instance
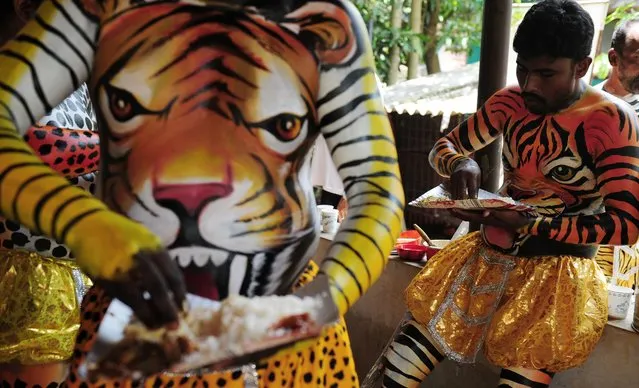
{"x":39,"y":307}
{"x":541,"y":312}
{"x":621,"y":263}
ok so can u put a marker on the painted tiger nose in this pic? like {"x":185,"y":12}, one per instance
{"x":191,"y":196}
{"x":518,"y":193}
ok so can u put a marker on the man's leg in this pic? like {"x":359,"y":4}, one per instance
{"x":524,"y":378}
{"x":407,"y":360}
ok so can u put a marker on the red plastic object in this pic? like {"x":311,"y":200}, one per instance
{"x":410,"y":234}
{"x":408,"y":237}
{"x":412,"y":251}
{"x":432,"y":251}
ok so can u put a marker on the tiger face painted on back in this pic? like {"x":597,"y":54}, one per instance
{"x":199,"y":132}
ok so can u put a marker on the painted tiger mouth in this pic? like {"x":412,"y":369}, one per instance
{"x":198,"y":256}
{"x":214,"y":273}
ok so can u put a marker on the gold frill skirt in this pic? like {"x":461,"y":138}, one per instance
{"x":39,"y":307}
{"x":544,"y":312}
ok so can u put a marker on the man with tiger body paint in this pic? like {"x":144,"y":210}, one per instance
{"x":526,"y":287}
{"x":621,"y":263}
{"x":209,"y":110}
{"x":41,"y":288}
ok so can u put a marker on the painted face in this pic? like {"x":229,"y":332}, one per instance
{"x":548,"y":84}
{"x":628,"y":61}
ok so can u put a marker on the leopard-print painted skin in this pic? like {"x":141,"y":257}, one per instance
{"x":70,"y":152}
{"x":302,"y":369}
{"x":76,"y":112}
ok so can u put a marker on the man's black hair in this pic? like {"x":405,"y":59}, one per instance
{"x":7,"y":18}
{"x":621,"y":31}
{"x":556,"y":28}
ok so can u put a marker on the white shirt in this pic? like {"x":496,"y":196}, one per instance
{"x":631,"y":99}
{"x":323,"y":170}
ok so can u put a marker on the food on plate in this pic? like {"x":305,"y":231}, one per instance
{"x":208,"y":334}
{"x":439,"y":197}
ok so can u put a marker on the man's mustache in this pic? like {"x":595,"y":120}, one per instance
{"x":532,"y":96}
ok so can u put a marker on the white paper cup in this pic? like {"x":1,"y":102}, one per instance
{"x":319,"y":212}
{"x":618,"y":301}
{"x":329,"y":220}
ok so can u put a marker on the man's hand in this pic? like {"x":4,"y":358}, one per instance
{"x":342,"y":208}
{"x":506,"y":219}
{"x":465,"y":180}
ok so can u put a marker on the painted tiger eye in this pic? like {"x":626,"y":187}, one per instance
{"x":288,"y":126}
{"x":563,"y":173}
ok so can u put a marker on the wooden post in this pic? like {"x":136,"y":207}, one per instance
{"x":493,"y":70}
{"x":416,"y":27}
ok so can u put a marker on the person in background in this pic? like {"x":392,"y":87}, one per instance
{"x":324,"y":174}
{"x":621,"y":263}
{"x":623,"y":55}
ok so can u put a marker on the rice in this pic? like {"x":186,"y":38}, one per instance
{"x":239,"y":321}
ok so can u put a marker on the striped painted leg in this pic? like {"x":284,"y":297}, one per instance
{"x":407,"y":360}
{"x":524,"y":378}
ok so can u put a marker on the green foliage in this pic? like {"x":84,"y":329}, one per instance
{"x":623,"y":12}
{"x":459,"y":28}
{"x":601,"y":66}
{"x":385,"y":37}
{"x":460,"y":24}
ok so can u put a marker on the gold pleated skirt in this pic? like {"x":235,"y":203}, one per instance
{"x":544,"y":312}
{"x":39,"y":307}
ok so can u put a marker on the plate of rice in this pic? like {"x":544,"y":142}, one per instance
{"x":211,"y":336}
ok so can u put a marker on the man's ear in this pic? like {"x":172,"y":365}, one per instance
{"x":327,"y":29}
{"x":582,"y":67}
{"x":26,"y":9}
{"x":613,"y":57}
